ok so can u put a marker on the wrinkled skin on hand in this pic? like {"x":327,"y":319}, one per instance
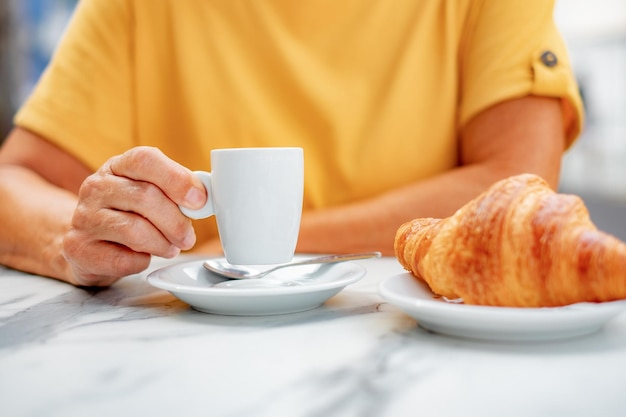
{"x":128,"y":211}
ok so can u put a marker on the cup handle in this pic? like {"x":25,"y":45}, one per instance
{"x":207,"y":210}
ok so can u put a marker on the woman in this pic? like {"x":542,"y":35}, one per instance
{"x":405,"y":109}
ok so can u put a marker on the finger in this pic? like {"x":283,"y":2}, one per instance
{"x":97,"y":263}
{"x":151,"y":165}
{"x":125,"y":228}
{"x":134,"y":213}
{"x":134,"y":232}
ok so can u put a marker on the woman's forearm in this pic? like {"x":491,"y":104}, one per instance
{"x":513,"y":137}
{"x":35,"y":217}
{"x":371,"y":224}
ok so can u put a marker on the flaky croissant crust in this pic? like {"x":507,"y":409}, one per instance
{"x":517,"y":244}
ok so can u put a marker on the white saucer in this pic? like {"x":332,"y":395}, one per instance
{"x":288,"y":290}
{"x":495,"y":323}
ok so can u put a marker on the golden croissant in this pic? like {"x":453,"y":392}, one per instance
{"x":517,"y":244}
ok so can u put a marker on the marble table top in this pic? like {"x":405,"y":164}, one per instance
{"x":133,"y":349}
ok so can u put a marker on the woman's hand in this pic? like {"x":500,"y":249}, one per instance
{"x":128,"y":211}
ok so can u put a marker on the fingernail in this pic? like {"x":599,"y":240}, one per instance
{"x":173,"y":252}
{"x":189,"y":240}
{"x":195,"y":198}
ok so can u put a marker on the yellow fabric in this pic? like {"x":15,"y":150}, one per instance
{"x":374,"y":91}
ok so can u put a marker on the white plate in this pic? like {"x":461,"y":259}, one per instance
{"x":287,"y":290}
{"x":495,"y":323}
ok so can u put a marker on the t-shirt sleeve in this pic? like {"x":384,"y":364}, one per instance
{"x":83,"y":101}
{"x":513,"y":49}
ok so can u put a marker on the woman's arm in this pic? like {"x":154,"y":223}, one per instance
{"x":38,"y":187}
{"x":521,"y":135}
{"x":91,"y":228}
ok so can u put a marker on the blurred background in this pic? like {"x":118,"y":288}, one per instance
{"x":29,"y":32}
{"x":595,"y":31}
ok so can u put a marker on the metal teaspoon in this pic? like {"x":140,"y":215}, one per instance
{"x":220,"y":267}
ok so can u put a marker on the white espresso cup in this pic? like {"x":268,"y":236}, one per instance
{"x":255,"y":195}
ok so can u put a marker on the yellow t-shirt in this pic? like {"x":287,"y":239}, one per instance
{"x":375,"y":92}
